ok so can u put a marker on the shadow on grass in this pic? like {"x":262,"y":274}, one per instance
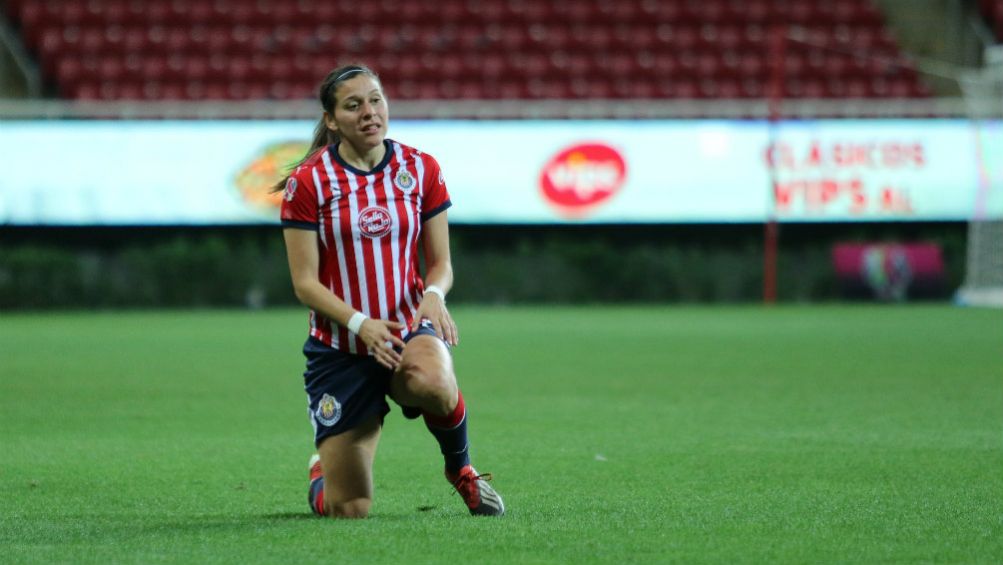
{"x":425,"y":511}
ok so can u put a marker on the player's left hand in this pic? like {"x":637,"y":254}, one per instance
{"x":433,"y":307}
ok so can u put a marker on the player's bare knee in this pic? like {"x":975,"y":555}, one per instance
{"x":413,"y":377}
{"x":441,"y":393}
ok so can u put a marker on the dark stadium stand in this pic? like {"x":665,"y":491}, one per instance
{"x":993,"y":12}
{"x":451,"y":49}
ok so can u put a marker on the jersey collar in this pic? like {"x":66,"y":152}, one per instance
{"x":333,"y":150}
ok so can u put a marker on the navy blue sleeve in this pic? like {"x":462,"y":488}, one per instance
{"x":426,"y":216}
{"x":299,"y":225}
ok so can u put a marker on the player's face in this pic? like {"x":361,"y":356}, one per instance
{"x":360,"y":113}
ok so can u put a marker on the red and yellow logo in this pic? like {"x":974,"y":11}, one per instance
{"x":579,"y":178}
{"x":256,"y":179}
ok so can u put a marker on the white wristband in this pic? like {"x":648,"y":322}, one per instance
{"x":435,"y":290}
{"x":355,"y":322}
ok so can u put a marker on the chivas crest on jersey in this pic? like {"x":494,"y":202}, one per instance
{"x":404,"y":181}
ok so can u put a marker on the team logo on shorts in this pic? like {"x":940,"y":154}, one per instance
{"x":290,"y":189}
{"x":375,"y":222}
{"x":404,"y":180}
{"x":328,"y":410}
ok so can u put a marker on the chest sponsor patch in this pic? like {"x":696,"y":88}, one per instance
{"x":375,"y":222}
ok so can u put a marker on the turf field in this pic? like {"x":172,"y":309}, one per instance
{"x":794,"y":434}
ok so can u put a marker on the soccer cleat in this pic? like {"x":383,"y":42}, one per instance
{"x":481,"y":499}
{"x":314,"y":465}
{"x":411,"y":412}
{"x":315,"y":494}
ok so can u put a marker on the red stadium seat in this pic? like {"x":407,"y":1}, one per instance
{"x":583,"y":87}
{"x":617,"y":66}
{"x":531,"y":64}
{"x":576,"y":12}
{"x":634,"y":89}
{"x":719,"y":88}
{"x":660,"y":12}
{"x":448,"y":65}
{"x":82,"y":91}
{"x":548,"y":89}
{"x":489,"y":66}
{"x":857,"y":87}
{"x":507,"y":89}
{"x":620,"y":12}
{"x":807,"y":87}
{"x":795,"y":64}
{"x":633,"y":37}
{"x":570,"y":64}
{"x":683,"y":38}
{"x":755,"y":11}
{"x":451,"y":11}
{"x":684,"y":88}
{"x":111,"y":68}
{"x":549,"y":37}
{"x":69,"y":71}
{"x":127,"y":90}
{"x":663,"y":65}
{"x":752,"y":88}
{"x":390,"y":39}
{"x":754,"y":37}
{"x":590,"y":38}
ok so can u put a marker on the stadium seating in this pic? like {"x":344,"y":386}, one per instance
{"x":992,"y":10}
{"x":447,"y":49}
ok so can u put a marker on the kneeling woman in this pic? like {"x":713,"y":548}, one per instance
{"x":354,"y":213}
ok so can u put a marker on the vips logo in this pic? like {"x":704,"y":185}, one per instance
{"x":579,"y":178}
{"x":375,"y":222}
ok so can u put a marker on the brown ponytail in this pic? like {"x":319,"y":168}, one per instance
{"x":322,"y":136}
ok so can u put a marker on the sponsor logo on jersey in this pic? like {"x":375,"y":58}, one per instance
{"x":375,"y":221}
{"x":581,"y":177}
{"x":290,"y":189}
{"x":328,"y":410}
{"x":404,"y":180}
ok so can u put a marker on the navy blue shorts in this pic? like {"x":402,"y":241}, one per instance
{"x":343,"y":389}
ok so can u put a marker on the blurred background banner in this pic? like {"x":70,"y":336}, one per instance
{"x":517,"y":171}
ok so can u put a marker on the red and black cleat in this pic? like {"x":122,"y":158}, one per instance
{"x":315,"y":494}
{"x":481,"y":499}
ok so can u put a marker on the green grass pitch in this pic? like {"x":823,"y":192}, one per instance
{"x":793,"y":434}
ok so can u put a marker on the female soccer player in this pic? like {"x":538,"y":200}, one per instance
{"x":354,"y":213}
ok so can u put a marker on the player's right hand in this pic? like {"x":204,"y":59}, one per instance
{"x":382,"y":342}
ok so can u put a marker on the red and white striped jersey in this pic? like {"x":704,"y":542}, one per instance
{"x":368,"y":227}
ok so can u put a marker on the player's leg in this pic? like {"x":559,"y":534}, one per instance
{"x":346,"y":401}
{"x":425,"y":379}
{"x":344,"y":487}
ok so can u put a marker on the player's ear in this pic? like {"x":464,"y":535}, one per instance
{"x":329,"y":121}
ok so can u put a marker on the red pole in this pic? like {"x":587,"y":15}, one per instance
{"x":771,"y":236}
